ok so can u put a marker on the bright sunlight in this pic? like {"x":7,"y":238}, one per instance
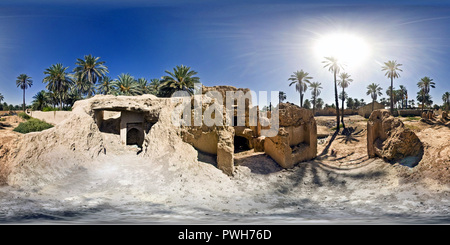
{"x":350,"y":49}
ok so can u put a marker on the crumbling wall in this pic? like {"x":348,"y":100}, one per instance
{"x":297,"y":137}
{"x":388,"y":138}
{"x":214,"y":139}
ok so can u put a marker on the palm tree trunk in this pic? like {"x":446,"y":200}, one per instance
{"x":301,"y":99}
{"x":392,"y":96}
{"x":336,"y":101}
{"x":60,"y":102}
{"x":342,"y":117}
{"x":373,"y":103}
{"x":314,"y":106}
{"x":423,"y":101}
{"x":24,"y":99}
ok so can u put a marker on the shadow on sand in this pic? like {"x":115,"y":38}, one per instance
{"x":4,"y":125}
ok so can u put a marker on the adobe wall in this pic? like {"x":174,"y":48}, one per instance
{"x":296,"y":140}
{"x":366,"y":110}
{"x":409,"y":112}
{"x":52,"y":117}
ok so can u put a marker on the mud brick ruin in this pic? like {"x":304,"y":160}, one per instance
{"x":388,"y":138}
{"x":133,"y":120}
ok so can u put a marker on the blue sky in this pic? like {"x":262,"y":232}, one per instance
{"x":252,"y":44}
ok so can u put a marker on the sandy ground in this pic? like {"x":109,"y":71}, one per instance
{"x":342,"y":185}
{"x":7,"y":124}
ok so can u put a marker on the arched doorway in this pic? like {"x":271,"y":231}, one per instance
{"x":135,"y":136}
{"x":241,"y":144}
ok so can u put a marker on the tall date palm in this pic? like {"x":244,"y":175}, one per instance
{"x":374,"y":90}
{"x":343,"y":82}
{"x":58,"y":81}
{"x":300,"y":79}
{"x":392,"y":68}
{"x":425,"y":84}
{"x":315,"y":92}
{"x":90,"y":70}
{"x":24,"y":81}
{"x":334,"y":66}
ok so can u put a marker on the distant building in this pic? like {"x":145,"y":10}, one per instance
{"x":366,"y":110}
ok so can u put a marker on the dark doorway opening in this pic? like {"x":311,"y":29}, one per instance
{"x":241,"y":144}
{"x":135,"y":137}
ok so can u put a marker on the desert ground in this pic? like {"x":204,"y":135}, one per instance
{"x":340,"y":186}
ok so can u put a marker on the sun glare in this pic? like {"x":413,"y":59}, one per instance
{"x":350,"y":49}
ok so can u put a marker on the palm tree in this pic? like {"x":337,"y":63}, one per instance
{"x":425,"y":84}
{"x":319,"y":103}
{"x":90,"y":70}
{"x":106,"y":86}
{"x":334,"y":66}
{"x":307,"y":104}
{"x":181,"y":79}
{"x":391,"y":67}
{"x":52,"y":98}
{"x":1,"y":97}
{"x":154,"y":86}
{"x":315,"y":92}
{"x":281,"y":96}
{"x":344,"y":81}
{"x":24,"y":81}
{"x":72,"y":95}
{"x":83,"y":88}
{"x":412,"y":103}
{"x":300,"y":78}
{"x":445,"y":98}
{"x":403,"y":93}
{"x":374,"y":90}
{"x":396,"y":94}
{"x":58,"y":81}
{"x":126,"y":85}
{"x":40,"y":100}
{"x":143,"y":86}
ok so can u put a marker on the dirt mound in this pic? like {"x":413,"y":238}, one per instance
{"x":435,"y":163}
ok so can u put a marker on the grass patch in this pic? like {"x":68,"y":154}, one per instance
{"x":340,"y":126}
{"x":412,"y":119}
{"x":24,"y":115}
{"x":32,"y":125}
{"x":412,"y":127}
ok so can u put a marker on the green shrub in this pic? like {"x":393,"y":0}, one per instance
{"x":24,"y":115}
{"x":32,"y":125}
{"x":49,"y":109}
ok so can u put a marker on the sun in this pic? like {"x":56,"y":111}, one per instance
{"x":349,"y":49}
